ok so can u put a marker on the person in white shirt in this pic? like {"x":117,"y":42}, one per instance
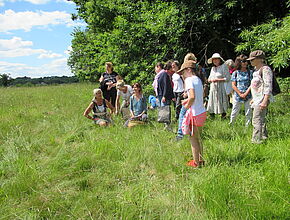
{"x":196,"y":115}
{"x":124,"y":91}
{"x":178,"y":87}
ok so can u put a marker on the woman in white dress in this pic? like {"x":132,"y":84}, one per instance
{"x":219,"y":75}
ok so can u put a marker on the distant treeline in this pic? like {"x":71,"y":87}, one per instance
{"x":27,"y":81}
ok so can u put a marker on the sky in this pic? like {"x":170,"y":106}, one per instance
{"x":35,"y":37}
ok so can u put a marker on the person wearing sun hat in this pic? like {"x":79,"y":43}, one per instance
{"x":187,"y":57}
{"x":261,"y":89}
{"x":195,"y":115}
{"x":219,"y":74}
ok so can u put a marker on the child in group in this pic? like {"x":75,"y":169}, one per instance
{"x":99,"y":106}
{"x":195,"y":116}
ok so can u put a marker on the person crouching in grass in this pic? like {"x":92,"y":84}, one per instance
{"x":99,"y":106}
{"x":138,"y":107}
{"x":195,"y":117}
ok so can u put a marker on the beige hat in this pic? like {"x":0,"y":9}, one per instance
{"x":215,"y":55}
{"x":187,"y":64}
{"x":257,"y":54}
{"x":190,"y":56}
{"x":120,"y":83}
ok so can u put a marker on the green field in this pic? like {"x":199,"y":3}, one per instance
{"x":55,"y":164}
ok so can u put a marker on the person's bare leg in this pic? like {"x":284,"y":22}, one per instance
{"x":195,"y":146}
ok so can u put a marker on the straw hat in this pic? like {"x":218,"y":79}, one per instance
{"x":257,"y":54}
{"x":215,"y":55}
{"x":187,"y":64}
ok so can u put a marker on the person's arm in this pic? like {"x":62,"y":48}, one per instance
{"x":101,"y":78}
{"x":163,"y":78}
{"x":226,"y":73}
{"x":131,"y":106}
{"x":235,"y":88}
{"x":267,"y":76}
{"x":118,"y":77}
{"x":191,"y":97}
{"x":250,"y":78}
{"x":210,"y":78}
{"x":144,"y":105}
{"x":117,"y":104}
{"x":110,"y":106}
{"x":88,"y":110}
{"x":247,"y":91}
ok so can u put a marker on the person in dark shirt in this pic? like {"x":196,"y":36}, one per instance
{"x":108,"y":82}
{"x":164,"y":91}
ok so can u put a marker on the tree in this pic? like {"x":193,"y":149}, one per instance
{"x":272,"y":37}
{"x":132,"y":34}
{"x":5,"y":79}
{"x":135,"y":35}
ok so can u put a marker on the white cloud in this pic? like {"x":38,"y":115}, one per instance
{"x":13,"y":43}
{"x":55,"y":68}
{"x":37,"y":2}
{"x":21,"y":52}
{"x":49,"y":55}
{"x":16,"y":47}
{"x":11,"y":20}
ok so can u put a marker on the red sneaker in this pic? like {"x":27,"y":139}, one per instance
{"x":192,"y":163}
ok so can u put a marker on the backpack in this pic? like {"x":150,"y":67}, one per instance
{"x":275,"y":85}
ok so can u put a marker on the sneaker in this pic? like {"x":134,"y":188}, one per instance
{"x":192,"y":163}
{"x":178,"y":138}
{"x":257,"y":142}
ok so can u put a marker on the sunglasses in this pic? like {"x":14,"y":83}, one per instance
{"x":244,"y":61}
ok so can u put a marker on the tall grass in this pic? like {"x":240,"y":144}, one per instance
{"x":55,"y":164}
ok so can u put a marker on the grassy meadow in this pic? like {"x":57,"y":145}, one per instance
{"x":56,"y":164}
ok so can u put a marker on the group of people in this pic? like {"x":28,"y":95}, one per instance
{"x":193,"y":94}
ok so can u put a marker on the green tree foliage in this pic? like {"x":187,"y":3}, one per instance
{"x":4,"y":79}
{"x":272,"y":37}
{"x":134,"y":35}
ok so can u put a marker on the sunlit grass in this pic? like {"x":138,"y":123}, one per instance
{"x":55,"y":164}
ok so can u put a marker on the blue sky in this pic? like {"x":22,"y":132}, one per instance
{"x":35,"y":37}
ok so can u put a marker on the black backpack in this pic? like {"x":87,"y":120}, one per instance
{"x":275,"y":85}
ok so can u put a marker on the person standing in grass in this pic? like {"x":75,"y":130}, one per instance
{"x":165,"y":91}
{"x":219,"y":74}
{"x":138,"y":106}
{"x":261,"y":89}
{"x":241,"y":83}
{"x":99,"y":106}
{"x":195,"y":116}
{"x":179,"y":136}
{"x":108,"y":82}
{"x":178,"y":87}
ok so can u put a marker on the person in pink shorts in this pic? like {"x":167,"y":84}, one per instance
{"x":196,"y":115}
